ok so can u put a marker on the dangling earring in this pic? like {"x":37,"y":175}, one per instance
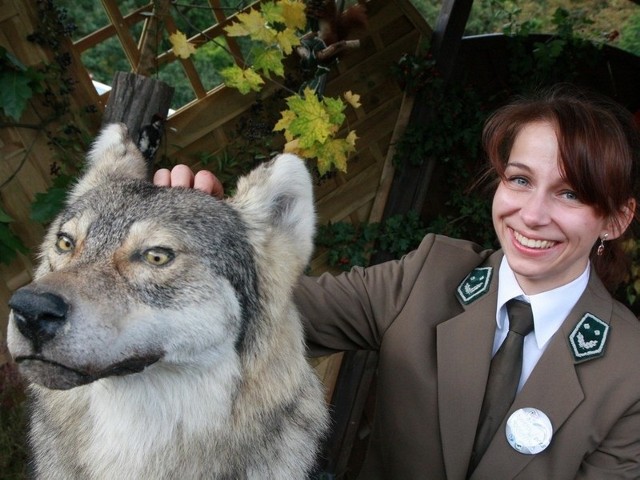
{"x":600,"y":250}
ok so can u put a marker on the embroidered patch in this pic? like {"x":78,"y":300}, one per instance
{"x":475,"y":285}
{"x":588,"y":338}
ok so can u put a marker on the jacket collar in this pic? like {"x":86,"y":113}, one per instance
{"x":464,"y":346}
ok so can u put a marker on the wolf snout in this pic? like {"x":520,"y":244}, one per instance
{"x":38,"y":315}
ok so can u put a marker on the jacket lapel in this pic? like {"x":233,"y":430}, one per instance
{"x":553,"y":387}
{"x":464,"y":345}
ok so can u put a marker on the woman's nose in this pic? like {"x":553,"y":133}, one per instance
{"x":536,"y":209}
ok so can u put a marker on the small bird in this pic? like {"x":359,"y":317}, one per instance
{"x":150,"y":137}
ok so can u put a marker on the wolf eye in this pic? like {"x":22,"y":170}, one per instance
{"x":64,"y":244}
{"x":158,"y":257}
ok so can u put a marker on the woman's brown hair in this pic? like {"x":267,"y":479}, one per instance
{"x":599,"y":146}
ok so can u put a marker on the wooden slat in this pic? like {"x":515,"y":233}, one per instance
{"x":221,"y":17}
{"x":126,"y":40}
{"x":108,"y":31}
{"x":7,"y":10}
{"x":187,"y":64}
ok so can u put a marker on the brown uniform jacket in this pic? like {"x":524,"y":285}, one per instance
{"x":434,"y":356}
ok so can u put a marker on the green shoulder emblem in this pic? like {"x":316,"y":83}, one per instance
{"x":588,"y":338}
{"x":475,"y":285}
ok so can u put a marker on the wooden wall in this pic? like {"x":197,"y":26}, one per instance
{"x":394,"y":28}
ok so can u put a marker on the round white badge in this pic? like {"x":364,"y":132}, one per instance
{"x":529,"y":431}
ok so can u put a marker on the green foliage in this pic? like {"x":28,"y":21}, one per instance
{"x":349,"y":245}
{"x":48,"y":204}
{"x":630,"y":34}
{"x":228,"y":167}
{"x":18,"y":84}
{"x":402,"y":233}
{"x":10,"y":244}
{"x":49,"y":89}
{"x":564,"y":57}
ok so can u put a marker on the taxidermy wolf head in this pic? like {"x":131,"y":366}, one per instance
{"x":159,"y":333}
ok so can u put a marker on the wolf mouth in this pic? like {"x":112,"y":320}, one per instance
{"x":57,"y":376}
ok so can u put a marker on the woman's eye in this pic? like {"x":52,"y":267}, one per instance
{"x":64,"y":244}
{"x":570,"y":195}
{"x":519,"y":181}
{"x":158,"y":257}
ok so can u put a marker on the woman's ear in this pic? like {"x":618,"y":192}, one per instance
{"x":618,"y":225}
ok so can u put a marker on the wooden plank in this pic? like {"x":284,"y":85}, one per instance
{"x":346,"y":407}
{"x":448,"y":33}
{"x":232,"y":43}
{"x":108,"y":31}
{"x":7,"y":10}
{"x":187,"y":63}
{"x":338,"y":204}
{"x":122,"y":31}
{"x":18,"y":27}
{"x":150,"y":39}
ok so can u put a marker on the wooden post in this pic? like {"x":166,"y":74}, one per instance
{"x":134,"y":100}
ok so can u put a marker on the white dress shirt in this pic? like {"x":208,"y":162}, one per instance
{"x":549,"y":311}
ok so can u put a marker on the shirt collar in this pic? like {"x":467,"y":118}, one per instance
{"x":549,"y":308}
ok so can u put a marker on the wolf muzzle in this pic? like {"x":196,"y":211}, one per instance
{"x":38,"y":315}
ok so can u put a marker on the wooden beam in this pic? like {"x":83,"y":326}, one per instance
{"x":127,"y":41}
{"x":410,"y":184}
{"x":232,"y":43}
{"x":134,"y":100}
{"x":448,"y":33}
{"x":108,"y":31}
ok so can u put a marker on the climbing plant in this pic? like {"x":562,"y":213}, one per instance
{"x":50,"y":87}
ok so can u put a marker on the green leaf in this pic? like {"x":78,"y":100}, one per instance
{"x":269,"y":60}
{"x":4,"y":216}
{"x":313,"y":121}
{"x":15,"y":93}
{"x":335,"y":107}
{"x":272,"y":12}
{"x":243,"y":80}
{"x":48,"y":204}
{"x":9,"y":245}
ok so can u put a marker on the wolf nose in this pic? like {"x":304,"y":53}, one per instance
{"x":38,"y":315}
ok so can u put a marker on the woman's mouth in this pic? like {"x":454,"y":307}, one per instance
{"x":531,"y":243}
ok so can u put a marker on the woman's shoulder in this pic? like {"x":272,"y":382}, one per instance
{"x":442,"y":248}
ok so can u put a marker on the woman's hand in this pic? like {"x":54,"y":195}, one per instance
{"x":183,"y":176}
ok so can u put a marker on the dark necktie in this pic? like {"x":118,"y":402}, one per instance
{"x":504,"y":376}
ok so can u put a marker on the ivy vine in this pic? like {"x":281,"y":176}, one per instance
{"x":50,"y":86}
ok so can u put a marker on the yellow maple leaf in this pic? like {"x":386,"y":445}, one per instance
{"x":351,"y":139}
{"x":244,"y":80}
{"x":252,"y":24}
{"x":284,"y":123}
{"x":293,"y":12}
{"x":180,"y":45}
{"x":287,"y":39}
{"x":292,"y":146}
{"x":352,"y":99}
{"x":268,"y":60}
{"x":333,"y":153}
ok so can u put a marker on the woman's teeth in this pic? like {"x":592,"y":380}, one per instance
{"x":530,"y":243}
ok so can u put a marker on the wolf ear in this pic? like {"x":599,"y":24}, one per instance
{"x":276,"y":200}
{"x":113,"y":155}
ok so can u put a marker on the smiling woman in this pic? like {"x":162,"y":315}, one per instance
{"x":567,"y":179}
{"x":566,"y":165}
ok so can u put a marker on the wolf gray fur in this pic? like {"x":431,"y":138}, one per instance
{"x":159,"y":335}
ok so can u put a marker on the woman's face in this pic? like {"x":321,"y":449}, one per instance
{"x":546,"y":232}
